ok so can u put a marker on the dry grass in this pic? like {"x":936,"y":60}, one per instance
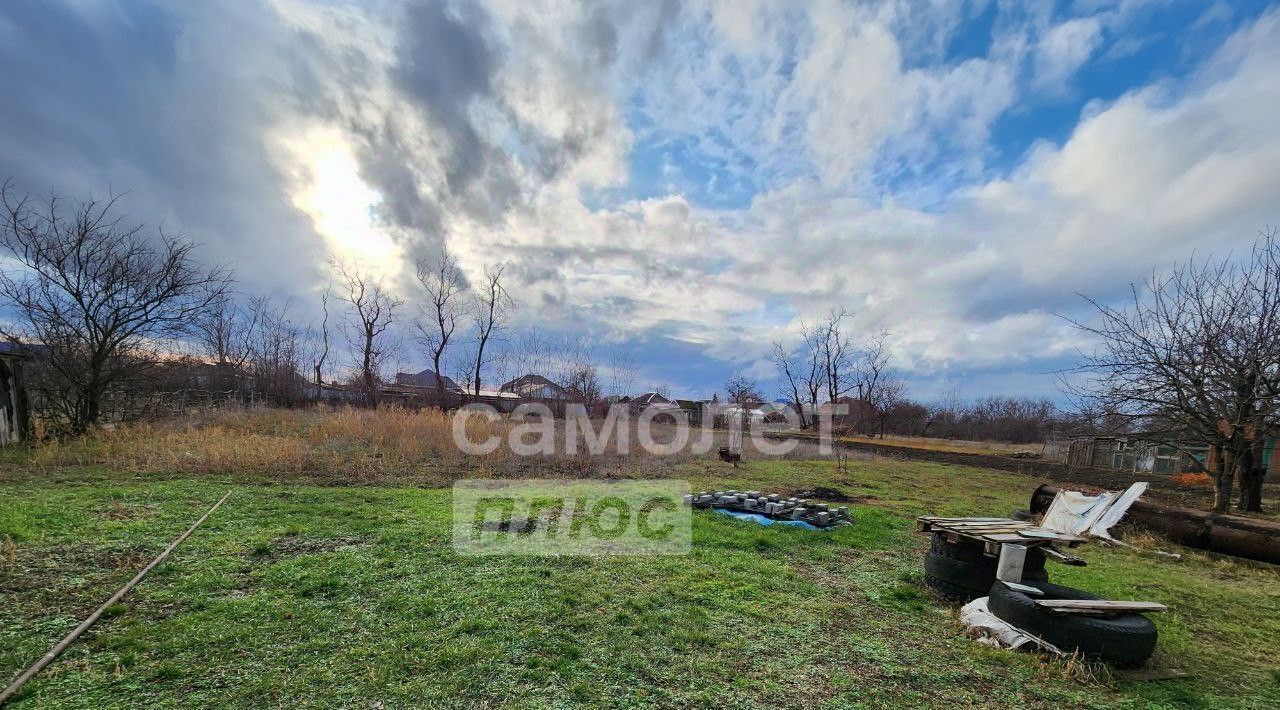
{"x":356,"y":446}
{"x":953,"y":446}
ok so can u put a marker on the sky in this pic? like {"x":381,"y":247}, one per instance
{"x":690,"y":181}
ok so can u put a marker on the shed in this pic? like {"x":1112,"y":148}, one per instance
{"x":15,"y":405}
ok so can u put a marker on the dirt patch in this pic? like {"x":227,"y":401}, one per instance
{"x":520,"y":526}
{"x":824,"y":493}
{"x":66,"y":580}
{"x":294,"y":545}
{"x":124,"y":512}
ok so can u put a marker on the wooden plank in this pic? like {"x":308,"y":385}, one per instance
{"x":1065,"y":559}
{"x":1025,"y":589}
{"x":1040,"y":534}
{"x":1103,"y":605}
{"x":993,"y":527}
{"x":970,"y":523}
{"x":1007,"y":537}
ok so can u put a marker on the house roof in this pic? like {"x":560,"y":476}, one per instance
{"x":426,"y":378}
{"x":651,"y":398}
{"x":12,"y":350}
{"x":527,"y":383}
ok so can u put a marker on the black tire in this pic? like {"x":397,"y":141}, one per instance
{"x":965,"y":581}
{"x":974,"y":552}
{"x":948,"y":590}
{"x":1125,"y":640}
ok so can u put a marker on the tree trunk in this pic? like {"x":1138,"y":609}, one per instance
{"x":1222,"y":480}
{"x":1251,"y":489}
{"x":1253,"y":471}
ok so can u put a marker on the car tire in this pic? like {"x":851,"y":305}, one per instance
{"x":965,"y":581}
{"x":974,"y":552}
{"x":1126,"y":640}
{"x":949,"y":591}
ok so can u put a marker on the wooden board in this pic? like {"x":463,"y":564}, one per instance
{"x":996,"y":530}
{"x":1013,"y":537}
{"x":1099,"y":606}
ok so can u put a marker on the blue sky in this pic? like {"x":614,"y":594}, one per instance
{"x":688,"y":181}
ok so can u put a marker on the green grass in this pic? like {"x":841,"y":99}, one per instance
{"x":311,"y":596}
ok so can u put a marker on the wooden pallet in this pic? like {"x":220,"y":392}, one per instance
{"x":994,"y":532}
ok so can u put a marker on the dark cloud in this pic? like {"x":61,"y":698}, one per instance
{"x":446,"y":65}
{"x":127,"y":98}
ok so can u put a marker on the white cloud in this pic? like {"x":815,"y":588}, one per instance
{"x":1158,"y":173}
{"x":1063,"y":50}
{"x":496,"y":127}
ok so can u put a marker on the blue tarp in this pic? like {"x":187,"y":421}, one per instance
{"x":764,"y":520}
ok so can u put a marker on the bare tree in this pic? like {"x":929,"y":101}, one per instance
{"x":492,"y":308}
{"x":1199,"y":349}
{"x":873,"y":381}
{"x":225,"y":332}
{"x":889,"y":394}
{"x":740,"y":389}
{"x":837,"y":355}
{"x":575,"y":368}
{"x":812,"y":369}
{"x":622,"y":371}
{"x":443,"y":282}
{"x":582,"y":381}
{"x":528,"y":352}
{"x":369,"y":319}
{"x":322,"y":351}
{"x":97,"y":297}
{"x":789,"y":366}
{"x":943,"y":412}
{"x":276,"y":359}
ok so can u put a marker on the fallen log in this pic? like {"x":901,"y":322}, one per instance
{"x":1234,"y":535}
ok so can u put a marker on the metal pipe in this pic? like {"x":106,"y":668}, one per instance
{"x":62,"y":645}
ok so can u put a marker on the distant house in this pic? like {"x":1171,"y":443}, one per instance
{"x":1160,"y":452}
{"x":427,"y":379}
{"x":535,"y":387}
{"x":742,"y":413}
{"x":656,"y":403}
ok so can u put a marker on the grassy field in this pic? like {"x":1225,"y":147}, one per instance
{"x":298,"y":594}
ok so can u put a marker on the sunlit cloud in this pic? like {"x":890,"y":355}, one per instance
{"x":341,"y":205}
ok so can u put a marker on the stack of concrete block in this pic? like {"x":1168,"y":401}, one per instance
{"x":775,"y":506}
